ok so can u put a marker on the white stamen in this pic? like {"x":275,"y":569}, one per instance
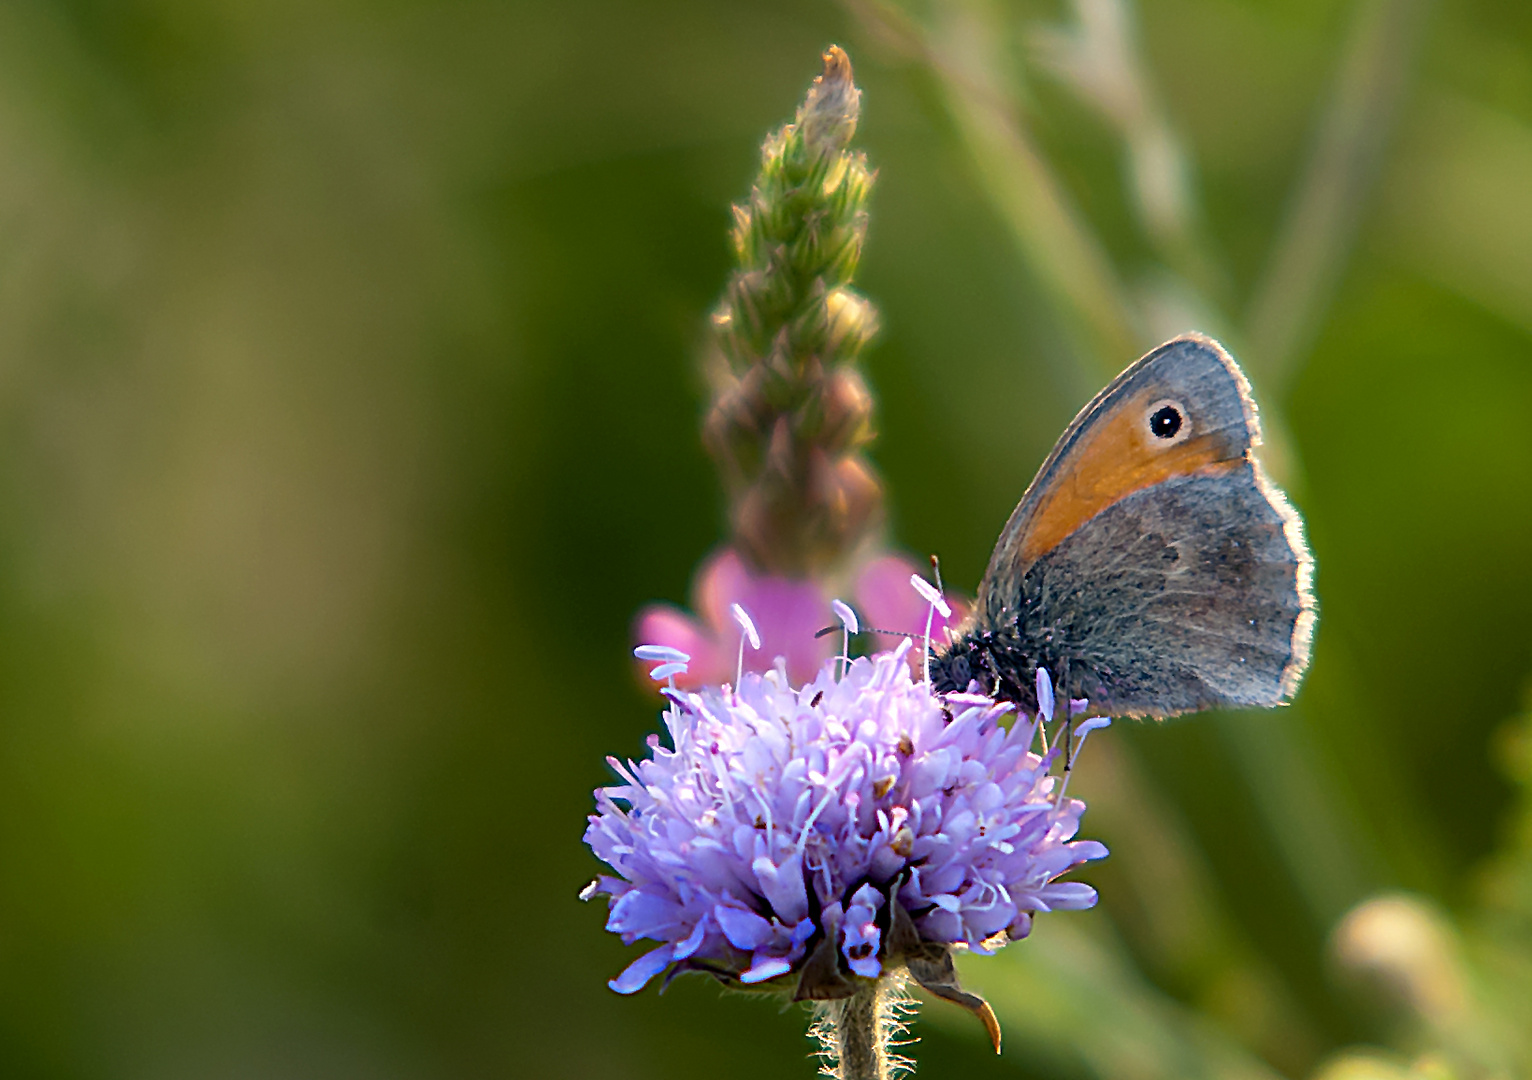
{"x":931,"y":595}
{"x":663,"y":653}
{"x":1045,"y":694}
{"x":668,"y":671}
{"x":747,"y":633}
{"x":1093,"y":724}
{"x":742,"y":617}
{"x":848,"y":626}
{"x":803,"y":834}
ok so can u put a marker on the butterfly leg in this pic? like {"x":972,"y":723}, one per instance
{"x":994,"y":673}
{"x":1062,"y":697}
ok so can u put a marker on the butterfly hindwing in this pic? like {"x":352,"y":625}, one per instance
{"x":1182,"y":596}
{"x":1150,"y":558}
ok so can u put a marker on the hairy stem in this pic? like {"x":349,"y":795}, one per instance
{"x":861,"y":1034}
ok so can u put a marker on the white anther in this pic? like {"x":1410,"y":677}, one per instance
{"x":742,"y":617}
{"x":931,"y":595}
{"x":662,"y":653}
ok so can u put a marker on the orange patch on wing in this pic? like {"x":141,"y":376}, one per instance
{"x":1111,"y":463}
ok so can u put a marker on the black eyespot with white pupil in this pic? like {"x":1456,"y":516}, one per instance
{"x":1165,"y":422}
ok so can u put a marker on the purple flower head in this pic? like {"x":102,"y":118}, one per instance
{"x":833,"y":830}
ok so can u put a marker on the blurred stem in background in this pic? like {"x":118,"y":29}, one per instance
{"x":1310,"y":250}
{"x":962,"y":52}
{"x":962,"y":46}
{"x":1098,"y":58}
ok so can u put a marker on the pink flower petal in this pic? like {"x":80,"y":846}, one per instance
{"x":721,"y":580}
{"x":661,"y":624}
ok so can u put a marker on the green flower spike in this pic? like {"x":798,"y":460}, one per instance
{"x":790,"y":411}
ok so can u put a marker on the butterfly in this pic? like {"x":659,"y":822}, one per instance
{"x":1151,"y":566}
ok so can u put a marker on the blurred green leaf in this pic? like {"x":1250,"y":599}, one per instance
{"x":350,"y":412}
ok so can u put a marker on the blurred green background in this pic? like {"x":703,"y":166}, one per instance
{"x":348,"y":413}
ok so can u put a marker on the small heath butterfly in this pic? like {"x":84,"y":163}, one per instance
{"x":1151,"y":566}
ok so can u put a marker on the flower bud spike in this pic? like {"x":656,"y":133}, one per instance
{"x":785,"y":836}
{"x":789,"y":415}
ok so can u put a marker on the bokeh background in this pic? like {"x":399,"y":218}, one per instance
{"x":348,"y":412}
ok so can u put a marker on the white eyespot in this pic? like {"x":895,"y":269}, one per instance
{"x":1167,"y":423}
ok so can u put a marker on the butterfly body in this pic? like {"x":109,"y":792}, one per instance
{"x":1151,"y":566}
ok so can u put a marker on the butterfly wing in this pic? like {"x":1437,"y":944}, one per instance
{"x":1152,"y":554}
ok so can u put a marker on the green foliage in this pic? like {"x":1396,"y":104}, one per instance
{"x":349,"y":412}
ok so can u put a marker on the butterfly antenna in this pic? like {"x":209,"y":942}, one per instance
{"x":822,"y":631}
{"x":1070,"y":749}
{"x":1069,"y":720}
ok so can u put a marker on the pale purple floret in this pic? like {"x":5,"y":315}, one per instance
{"x":860,"y":936}
{"x":844,"y":787}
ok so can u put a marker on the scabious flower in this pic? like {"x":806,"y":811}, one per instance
{"x":805,"y":836}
